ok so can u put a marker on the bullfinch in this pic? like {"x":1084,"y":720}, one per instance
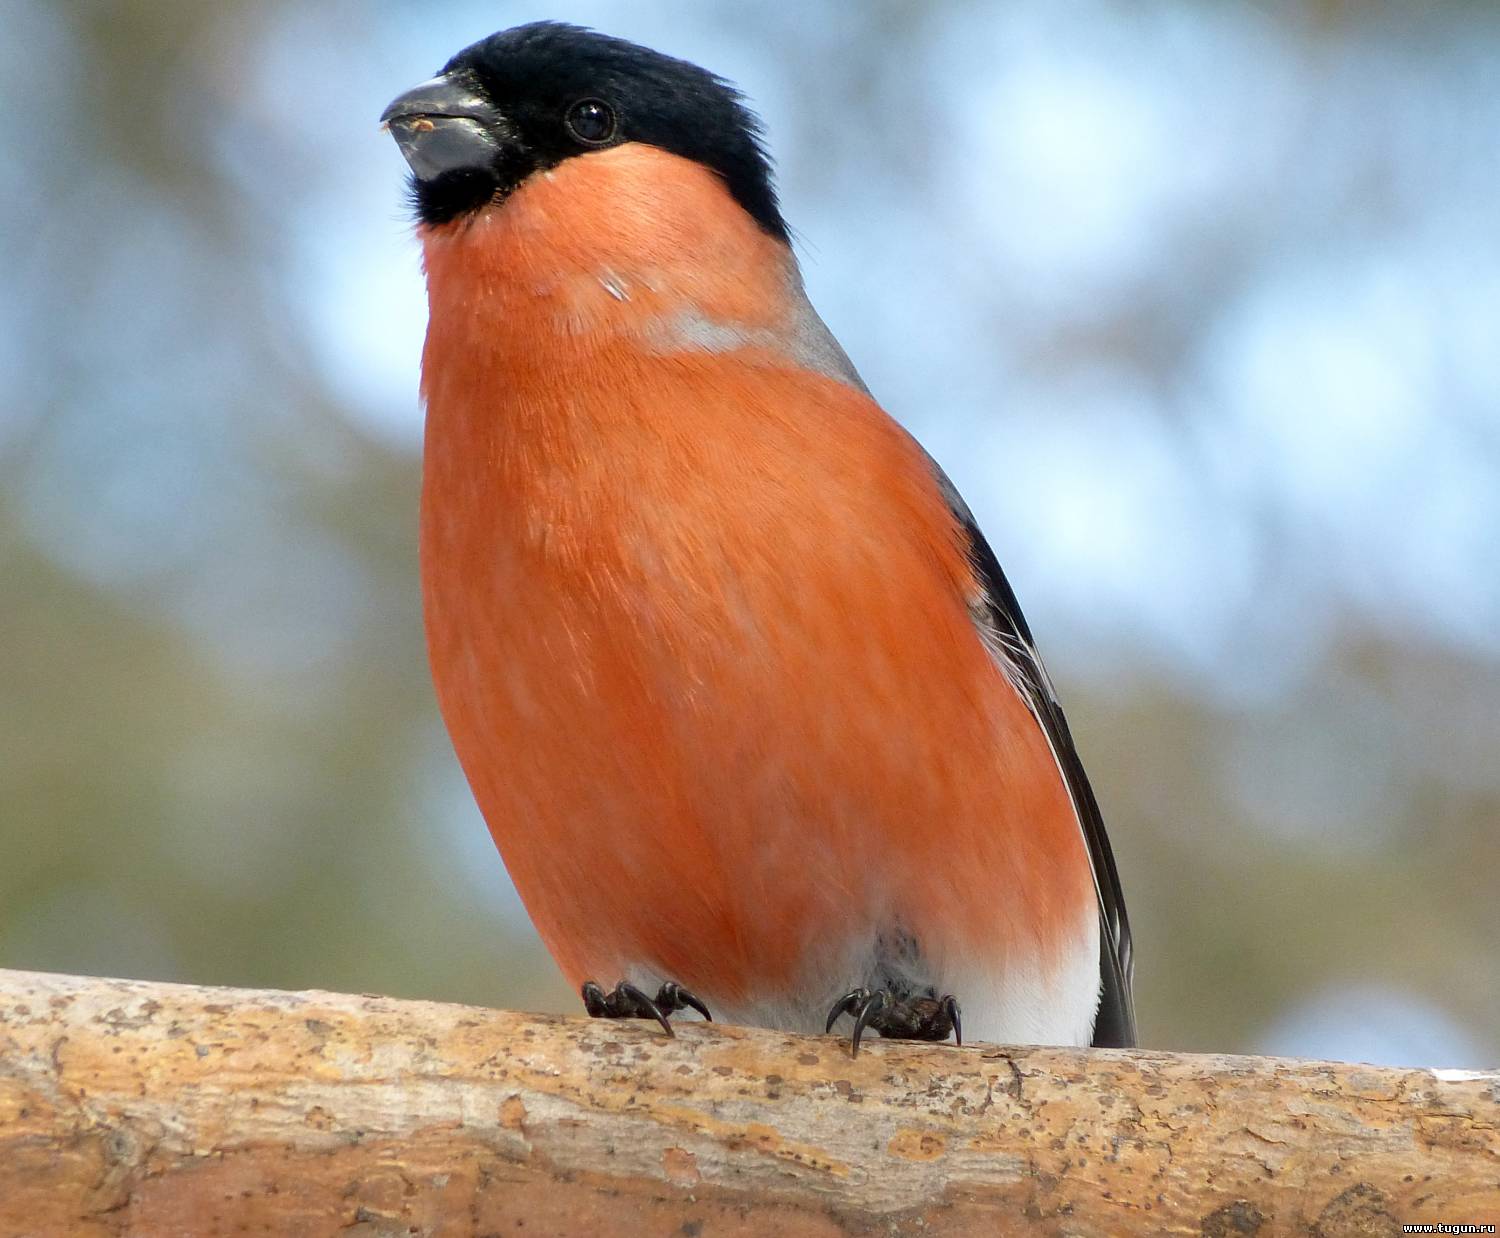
{"x":741,"y":690}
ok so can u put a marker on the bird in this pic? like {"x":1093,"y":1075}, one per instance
{"x":740,"y":688}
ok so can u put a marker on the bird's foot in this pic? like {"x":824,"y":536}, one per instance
{"x":625,"y":1001}
{"x":929,"y":1017}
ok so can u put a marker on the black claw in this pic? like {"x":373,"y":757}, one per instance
{"x":674,"y":997}
{"x":624,"y":1002}
{"x":949,"y":1006}
{"x":844,"y":1005}
{"x":645,"y":1007}
{"x":922,"y":1018}
{"x":873,"y":1004}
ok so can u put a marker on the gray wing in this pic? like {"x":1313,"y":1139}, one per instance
{"x":1004,"y":627}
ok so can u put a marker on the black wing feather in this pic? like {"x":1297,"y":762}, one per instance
{"x":1115,"y":1025}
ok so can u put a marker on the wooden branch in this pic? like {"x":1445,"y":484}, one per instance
{"x":157,"y":1109}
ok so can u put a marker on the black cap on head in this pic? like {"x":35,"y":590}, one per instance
{"x":526,"y":99}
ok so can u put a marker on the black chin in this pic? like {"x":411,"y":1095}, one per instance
{"x":447,"y":197}
{"x":463,"y":191}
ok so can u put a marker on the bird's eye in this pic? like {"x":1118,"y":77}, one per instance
{"x":591,"y":121}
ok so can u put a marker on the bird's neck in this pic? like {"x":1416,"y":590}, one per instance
{"x":631,"y":242}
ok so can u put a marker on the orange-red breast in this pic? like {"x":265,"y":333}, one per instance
{"x":741,"y":690}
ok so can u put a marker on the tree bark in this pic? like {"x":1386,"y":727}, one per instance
{"x":158,"y":1109}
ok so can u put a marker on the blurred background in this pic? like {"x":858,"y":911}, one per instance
{"x":1198,"y":303}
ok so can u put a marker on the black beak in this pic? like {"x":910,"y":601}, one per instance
{"x":444,"y":126}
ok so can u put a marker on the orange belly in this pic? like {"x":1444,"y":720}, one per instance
{"x":698,"y":630}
